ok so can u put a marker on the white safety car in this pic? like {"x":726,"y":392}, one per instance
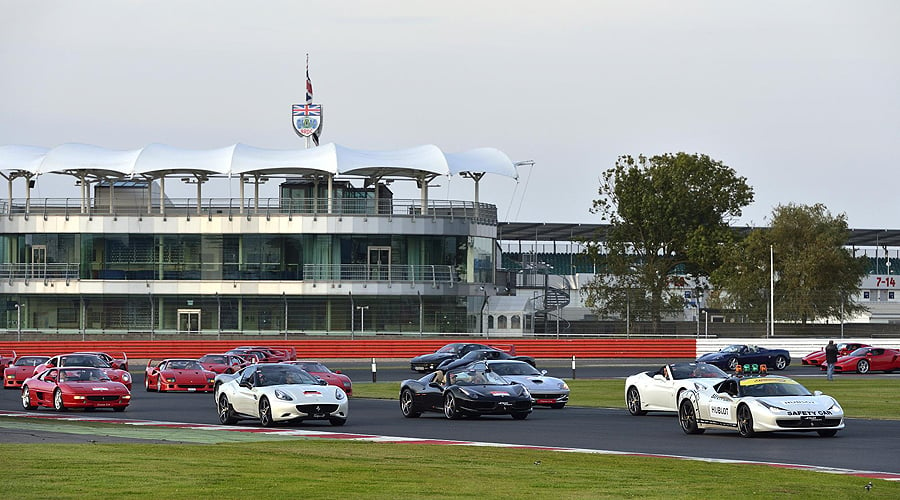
{"x":274,"y":392}
{"x":658,"y":390}
{"x":758,"y":403}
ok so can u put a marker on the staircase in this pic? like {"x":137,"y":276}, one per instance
{"x":546,"y":307}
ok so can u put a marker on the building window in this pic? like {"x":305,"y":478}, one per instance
{"x":865,"y":295}
{"x":890,"y":295}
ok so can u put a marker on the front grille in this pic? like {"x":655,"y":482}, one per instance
{"x":192,"y":386}
{"x":545,"y":396}
{"x":313,"y":409}
{"x":103,"y":398}
{"x":806,"y":424}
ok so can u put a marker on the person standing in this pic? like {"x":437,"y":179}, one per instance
{"x":831,"y":356}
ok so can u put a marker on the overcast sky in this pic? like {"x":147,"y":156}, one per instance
{"x":800,"y":97}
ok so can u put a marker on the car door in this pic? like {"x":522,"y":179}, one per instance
{"x":432,"y":396}
{"x":660,"y":389}
{"x":721,"y":406}
{"x":243,"y":399}
{"x":878,"y":359}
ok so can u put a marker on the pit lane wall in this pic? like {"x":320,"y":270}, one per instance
{"x":407,"y":348}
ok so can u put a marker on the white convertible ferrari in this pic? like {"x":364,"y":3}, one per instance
{"x":759,"y":404}
{"x":659,"y":390}
{"x":279,"y":393}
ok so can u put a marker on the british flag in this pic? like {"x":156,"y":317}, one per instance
{"x":306,"y":110}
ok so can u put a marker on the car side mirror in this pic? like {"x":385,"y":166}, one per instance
{"x":320,"y":381}
{"x":245,"y":383}
{"x":436,"y":385}
{"x":337,"y":371}
{"x":543,"y":372}
{"x":659,"y":376}
{"x":817,"y":393}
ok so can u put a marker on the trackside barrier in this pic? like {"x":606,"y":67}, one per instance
{"x":540,"y":348}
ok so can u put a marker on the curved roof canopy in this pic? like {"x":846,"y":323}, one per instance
{"x":157,"y":160}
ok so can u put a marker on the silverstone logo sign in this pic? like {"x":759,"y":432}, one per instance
{"x":307,"y":118}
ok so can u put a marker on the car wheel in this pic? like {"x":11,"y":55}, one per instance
{"x":862,"y":366}
{"x":780,"y":363}
{"x":688,"y":418}
{"x":827,"y":433}
{"x":147,"y":384}
{"x":406,"y":404}
{"x":226,"y":412}
{"x":265,"y":413}
{"x":337,"y":422}
{"x":26,"y":399}
{"x":450,"y":409}
{"x":745,"y":421}
{"x":732,"y":364}
{"x":633,"y":401}
{"x":58,"y":401}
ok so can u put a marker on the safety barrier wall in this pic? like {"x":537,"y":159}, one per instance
{"x":540,"y":348}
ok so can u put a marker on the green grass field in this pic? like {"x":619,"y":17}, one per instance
{"x":250,"y":465}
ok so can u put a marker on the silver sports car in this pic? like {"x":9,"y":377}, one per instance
{"x":279,"y":393}
{"x":548,"y":391}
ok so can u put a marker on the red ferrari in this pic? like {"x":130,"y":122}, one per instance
{"x":818,"y":357}
{"x":15,"y":374}
{"x":223,"y":363}
{"x":74,"y":387}
{"x":270,"y":354}
{"x":866,"y":359}
{"x":86,"y":359}
{"x":317,"y":369}
{"x":181,"y":375}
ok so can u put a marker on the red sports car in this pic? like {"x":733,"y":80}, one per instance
{"x":317,"y":369}
{"x":182,"y":375}
{"x":74,"y":387}
{"x":7,"y":357}
{"x":116,"y":359}
{"x":866,"y":359}
{"x":86,"y":359}
{"x":15,"y":374}
{"x":818,"y":357}
{"x":223,"y":363}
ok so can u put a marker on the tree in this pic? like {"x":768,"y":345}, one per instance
{"x":816,"y":277}
{"x":664,"y":213}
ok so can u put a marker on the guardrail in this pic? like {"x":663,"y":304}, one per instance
{"x":566,"y":348}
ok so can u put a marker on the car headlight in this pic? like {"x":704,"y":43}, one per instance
{"x":210,"y":380}
{"x":770,"y":407}
{"x":339,"y":394}
{"x":836,"y":406}
{"x":170,"y":380}
{"x":126,"y":377}
{"x":564,"y":385}
{"x":127,"y":396}
{"x":283,"y":395}
{"x":468,"y":392}
{"x":77,"y":397}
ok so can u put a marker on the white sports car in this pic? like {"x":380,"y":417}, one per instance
{"x":759,"y":404}
{"x":659,"y":390}
{"x":279,"y":393}
{"x":547,"y":391}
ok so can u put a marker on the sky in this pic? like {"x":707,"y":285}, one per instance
{"x":800,"y":97}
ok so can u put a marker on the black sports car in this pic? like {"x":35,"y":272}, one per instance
{"x":729,"y":357}
{"x":471,"y":391}
{"x":429,"y":362}
{"x":481,"y":355}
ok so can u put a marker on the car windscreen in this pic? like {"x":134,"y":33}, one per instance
{"x":213,"y":359}
{"x":861,"y":352}
{"x":732,"y":348}
{"x":31,"y":360}
{"x":681,"y":371}
{"x":772,"y":387}
{"x":284,"y":374}
{"x":183,"y":364}
{"x":83,"y":360}
{"x":475,"y":377}
{"x":514,"y":369}
{"x":314,"y":367}
{"x":82,"y":375}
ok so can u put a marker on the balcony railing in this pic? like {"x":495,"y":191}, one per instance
{"x":390,"y":273}
{"x":249,"y":207}
{"x":54,"y":271}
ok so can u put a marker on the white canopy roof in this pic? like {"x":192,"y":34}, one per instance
{"x":156,"y":160}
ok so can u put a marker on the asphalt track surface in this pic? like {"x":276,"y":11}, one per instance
{"x":868,"y":445}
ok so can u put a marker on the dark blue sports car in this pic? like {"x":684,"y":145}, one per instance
{"x":471,"y":391}
{"x":429,"y":362}
{"x":738,"y":354}
{"x":483,"y":355}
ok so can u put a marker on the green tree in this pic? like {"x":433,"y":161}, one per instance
{"x":816,"y":277}
{"x":664,"y":213}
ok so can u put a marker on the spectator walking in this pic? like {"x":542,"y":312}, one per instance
{"x":831,"y":355}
